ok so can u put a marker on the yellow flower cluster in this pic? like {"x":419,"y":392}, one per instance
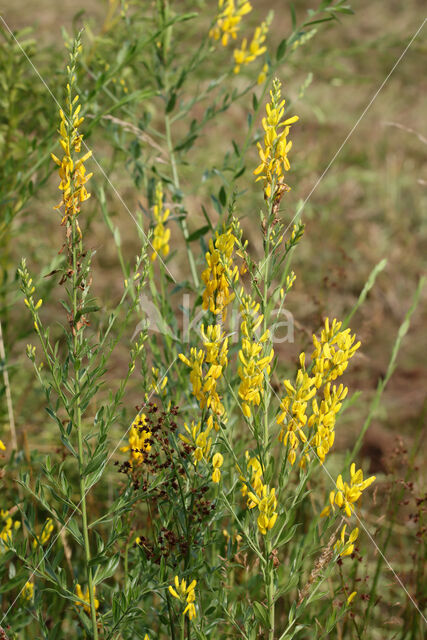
{"x":27,"y":593}
{"x":72,"y":171}
{"x":7,"y":529}
{"x":274,"y":155}
{"x":267,"y":505}
{"x":346,"y":495}
{"x":254,"y":362}
{"x":247,"y":54}
{"x":293,"y":407}
{"x":161,"y":234}
{"x":217,"y":462}
{"x":324,"y":417}
{"x":262,"y":496}
{"x":186,"y":595}
{"x":254,"y":466}
{"x":346,"y":547}
{"x":230,"y":14}
{"x":159,"y":382}
{"x":332,"y":352}
{"x":219,"y":273}
{"x":86,"y":597}
{"x":217,"y":277}
{"x":300,"y":408}
{"x":139,"y":440}
{"x":2,"y":447}
{"x":215,"y":355}
{"x":45,"y":534}
{"x":199,"y":439}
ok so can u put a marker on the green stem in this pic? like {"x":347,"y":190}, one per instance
{"x":182,"y":634}
{"x":176,"y":183}
{"x":175,"y":177}
{"x":79,"y":426}
{"x":269,"y":567}
{"x":269,"y":572}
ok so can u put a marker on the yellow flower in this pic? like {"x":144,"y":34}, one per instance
{"x":266,"y":502}
{"x":346,"y":547}
{"x":45,"y":534}
{"x":254,"y":359}
{"x":161,"y":234}
{"x":2,"y":447}
{"x":254,"y":466}
{"x":259,"y":495}
{"x":159,"y":382}
{"x":347,"y":495}
{"x":274,"y":155}
{"x":230,"y":14}
{"x":293,"y":410}
{"x":351,"y":597}
{"x":199,"y":439}
{"x":139,"y":440}
{"x":330,"y":359}
{"x":219,"y":274}
{"x":71,"y":168}
{"x":27,"y":593}
{"x":7,"y":530}
{"x":86,"y":598}
{"x":263,"y":75}
{"x":332,"y":352}
{"x":186,"y":595}
{"x":247,"y":54}
{"x":217,"y":462}
{"x":324,"y":417}
{"x":204,"y":383}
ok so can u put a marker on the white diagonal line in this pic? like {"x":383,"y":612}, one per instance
{"x":352,"y":130}
{"x":355,"y":513}
{"x":50,"y":547}
{"x":36,"y":71}
{"x":361,"y":523}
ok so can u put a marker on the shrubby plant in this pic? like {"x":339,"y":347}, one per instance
{"x":206,"y":517}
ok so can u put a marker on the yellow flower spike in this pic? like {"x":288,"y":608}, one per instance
{"x":217,"y":462}
{"x":86,"y":598}
{"x":139,"y":441}
{"x":27,"y":593}
{"x":45,"y":534}
{"x":2,"y":447}
{"x":347,"y":495}
{"x":254,"y":362}
{"x":274,"y":155}
{"x":262,"y":497}
{"x":161,"y":234}
{"x":186,"y":595}
{"x":230,"y":14}
{"x":351,"y":597}
{"x":247,"y":54}
{"x":71,"y":170}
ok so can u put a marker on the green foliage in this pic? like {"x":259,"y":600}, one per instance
{"x":203,"y":480}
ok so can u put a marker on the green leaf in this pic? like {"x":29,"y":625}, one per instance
{"x":222,"y":196}
{"x":281,"y":49}
{"x":261,"y":613}
{"x":198,"y":233}
{"x":171,"y":102}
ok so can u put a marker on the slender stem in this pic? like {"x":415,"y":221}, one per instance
{"x":176,"y":183}
{"x":78,"y":424}
{"x":269,"y":587}
{"x":182,"y":634}
{"x":269,"y":568}
{"x":175,"y":177}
